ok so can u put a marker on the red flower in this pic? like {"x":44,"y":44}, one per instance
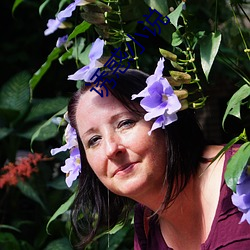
{"x":11,"y":173}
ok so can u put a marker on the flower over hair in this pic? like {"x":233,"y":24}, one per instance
{"x":241,"y":198}
{"x":85,"y":73}
{"x":159,"y":99}
{"x":72,"y":166}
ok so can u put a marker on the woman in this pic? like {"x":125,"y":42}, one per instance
{"x":181,"y":203}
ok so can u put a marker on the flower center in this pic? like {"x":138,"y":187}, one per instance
{"x":164,"y":97}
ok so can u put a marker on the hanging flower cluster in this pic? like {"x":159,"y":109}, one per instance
{"x":241,"y":198}
{"x":72,"y":166}
{"x":159,"y":99}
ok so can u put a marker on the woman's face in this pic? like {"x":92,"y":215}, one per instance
{"x":118,"y":148}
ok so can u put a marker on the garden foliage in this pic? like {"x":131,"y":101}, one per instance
{"x":205,"y":44}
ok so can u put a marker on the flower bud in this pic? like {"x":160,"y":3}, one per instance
{"x":173,"y":82}
{"x":180,"y":76}
{"x":184,"y":104}
{"x":181,"y":94}
{"x":169,"y":55}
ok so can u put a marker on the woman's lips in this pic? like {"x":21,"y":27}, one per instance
{"x":125,"y":168}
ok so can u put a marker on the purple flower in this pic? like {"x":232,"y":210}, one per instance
{"x":159,"y":99}
{"x":86,"y":72}
{"x":54,"y":24}
{"x":71,"y":140}
{"x":61,"y":41}
{"x":241,"y":198}
{"x":72,"y":166}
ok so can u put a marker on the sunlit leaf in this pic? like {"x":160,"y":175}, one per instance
{"x":82,"y":27}
{"x":209,"y":47}
{"x":160,"y":5}
{"x":176,"y":38}
{"x":61,"y":210}
{"x":174,"y":16}
{"x":233,"y":106}
{"x":236,"y":165}
{"x":16,"y":4}
{"x":29,"y":192}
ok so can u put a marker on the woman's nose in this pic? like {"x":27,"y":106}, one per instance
{"x":114,"y":147}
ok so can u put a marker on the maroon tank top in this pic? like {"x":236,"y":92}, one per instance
{"x":226,"y":232}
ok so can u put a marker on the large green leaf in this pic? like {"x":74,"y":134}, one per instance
{"x":4,"y":132}
{"x":39,"y":74}
{"x":160,"y":5}
{"x":46,"y":132}
{"x":233,"y":106}
{"x":61,"y":210}
{"x":236,"y":164}
{"x":46,"y":106}
{"x":29,"y":192}
{"x":82,"y":27}
{"x":60,"y":244}
{"x":39,"y":130}
{"x":174,"y":16}
{"x":209,"y":47}
{"x":15,"y":94}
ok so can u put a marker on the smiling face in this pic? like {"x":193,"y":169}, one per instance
{"x":118,"y":148}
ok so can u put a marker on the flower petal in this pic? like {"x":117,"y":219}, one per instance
{"x":52,"y":25}
{"x":96,"y":50}
{"x":67,"y":12}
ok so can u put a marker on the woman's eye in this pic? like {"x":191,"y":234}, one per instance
{"x":93,"y":141}
{"x":126,"y":123}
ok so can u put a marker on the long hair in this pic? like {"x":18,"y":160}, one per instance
{"x":100,"y":207}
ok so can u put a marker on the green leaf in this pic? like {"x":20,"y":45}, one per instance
{"x":65,"y":56}
{"x":84,"y":57}
{"x":39,"y":130}
{"x":42,"y":6}
{"x":16,"y":4}
{"x":60,"y":244}
{"x":61,"y":210}
{"x":15,"y":93}
{"x":8,"y":227}
{"x":46,"y":132}
{"x":174,"y":16}
{"x":8,"y":242}
{"x":236,"y":164}
{"x":46,"y":106}
{"x":29,"y":192}
{"x":4,"y":132}
{"x":209,"y":47}
{"x":39,"y":74}
{"x":176,"y":38}
{"x":82,"y":27}
{"x":233,"y":106}
{"x":160,"y":5}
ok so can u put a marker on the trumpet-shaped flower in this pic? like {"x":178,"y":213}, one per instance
{"x":241,"y":198}
{"x":159,"y":99}
{"x":71,"y":140}
{"x":72,"y":166}
{"x":86,"y":72}
{"x":54,"y":24}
